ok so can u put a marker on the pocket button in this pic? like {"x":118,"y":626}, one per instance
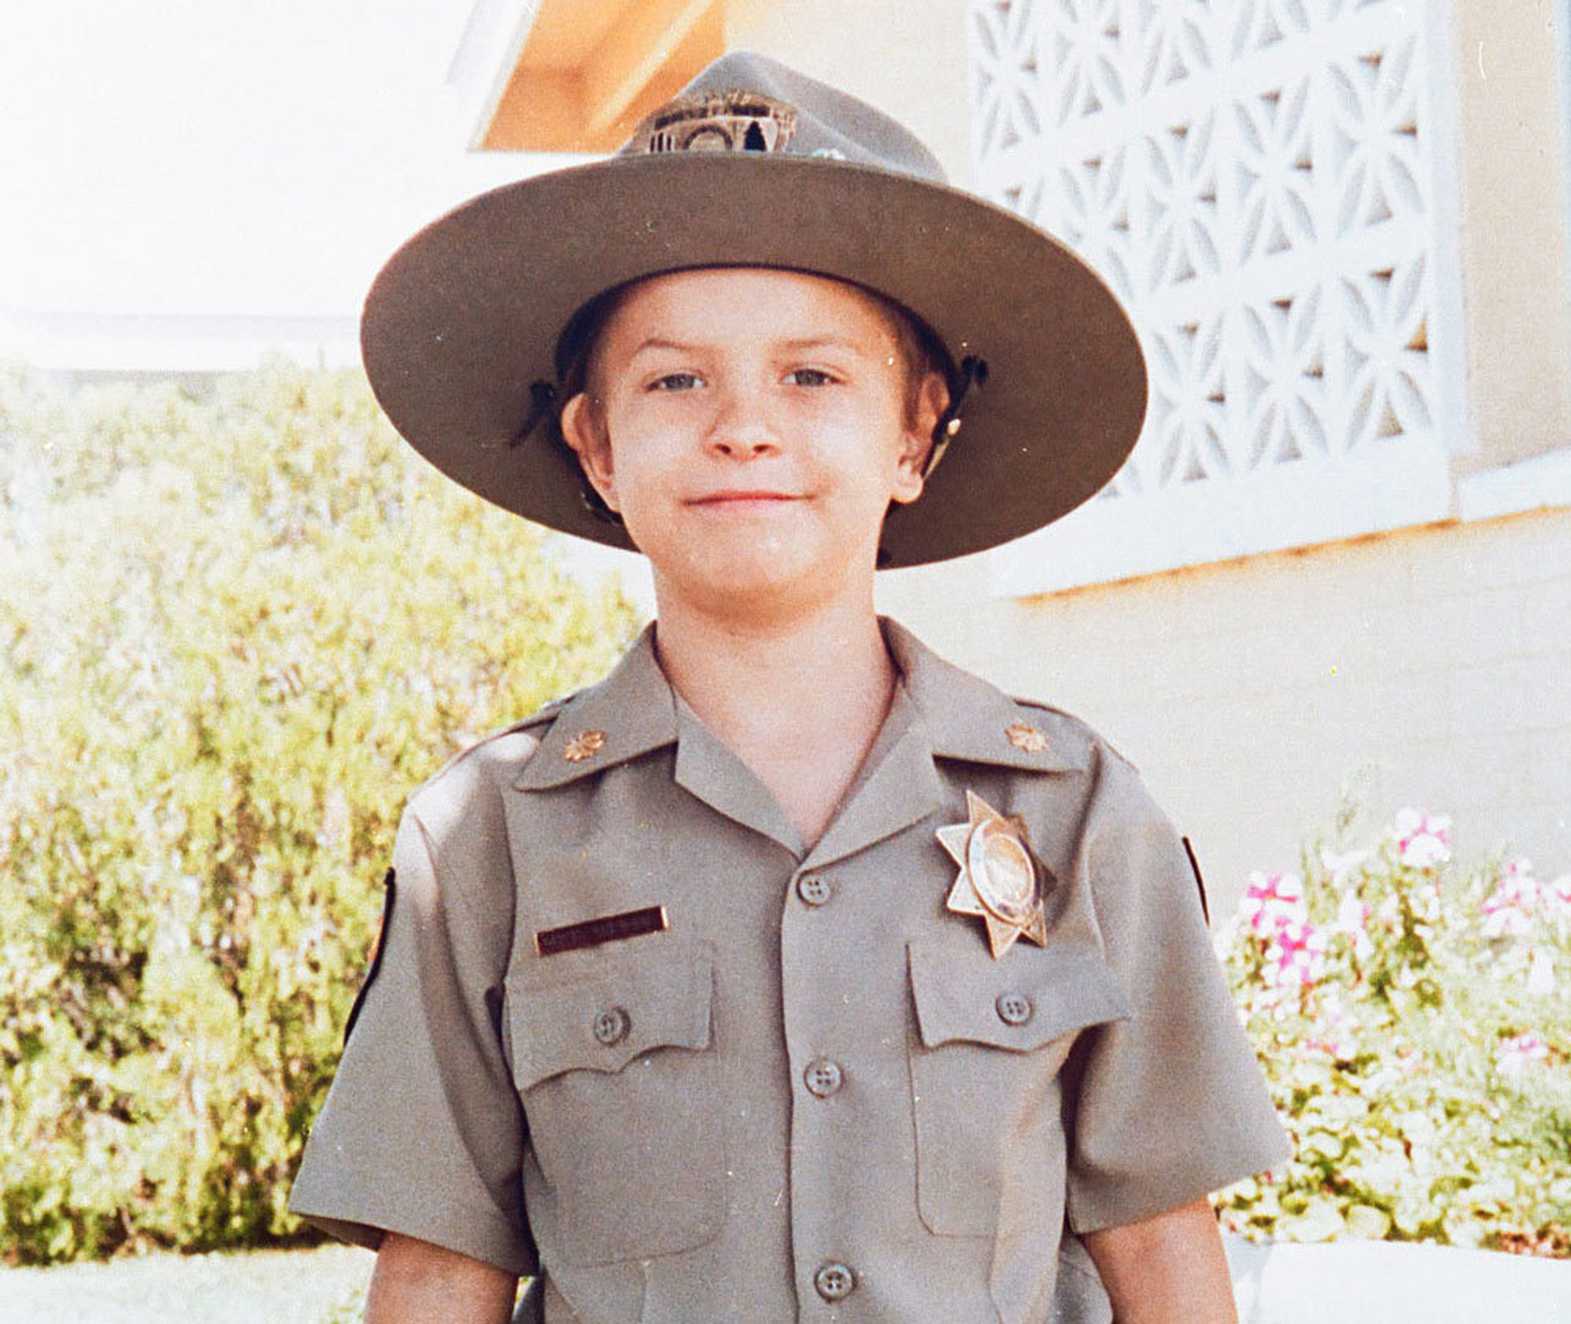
{"x":834,"y":1281}
{"x":611,"y":1026}
{"x":1013,"y":1008}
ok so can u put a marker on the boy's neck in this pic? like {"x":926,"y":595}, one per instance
{"x":799,"y":698}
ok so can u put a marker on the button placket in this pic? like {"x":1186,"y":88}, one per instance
{"x":823,"y":1077}
{"x":814,"y":889}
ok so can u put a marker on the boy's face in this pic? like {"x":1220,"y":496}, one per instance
{"x":751,"y":427}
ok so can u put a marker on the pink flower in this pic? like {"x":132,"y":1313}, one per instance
{"x":1510,"y":908}
{"x":1422,"y":841}
{"x":1517,"y":1053}
{"x":1295,"y":954}
{"x":1271,"y":900}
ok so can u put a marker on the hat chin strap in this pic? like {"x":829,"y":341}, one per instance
{"x":973,"y":372}
{"x":542,"y":398}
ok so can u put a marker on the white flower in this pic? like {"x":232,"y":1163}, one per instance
{"x":1351,"y":918}
{"x":1541,"y":973}
{"x":1423,"y":840}
{"x":1516,"y":1054}
{"x":1339,"y":866}
{"x":1510,"y":909}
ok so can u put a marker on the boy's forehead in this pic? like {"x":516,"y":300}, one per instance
{"x":757,"y":302}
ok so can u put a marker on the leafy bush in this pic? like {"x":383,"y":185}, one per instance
{"x":1414,"y":1027}
{"x":235,"y":631}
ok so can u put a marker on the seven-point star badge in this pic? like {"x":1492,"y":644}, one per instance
{"x":997,"y":879}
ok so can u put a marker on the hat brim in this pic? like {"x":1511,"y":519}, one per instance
{"x":466,"y":315}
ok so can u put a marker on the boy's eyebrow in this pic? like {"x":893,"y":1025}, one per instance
{"x":798,"y":344}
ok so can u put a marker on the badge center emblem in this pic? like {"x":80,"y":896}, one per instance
{"x":998,"y":880}
{"x":1001,"y":873}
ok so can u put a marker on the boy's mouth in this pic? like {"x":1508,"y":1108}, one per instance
{"x":737,"y":497}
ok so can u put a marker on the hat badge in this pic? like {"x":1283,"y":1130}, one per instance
{"x":735,"y":121}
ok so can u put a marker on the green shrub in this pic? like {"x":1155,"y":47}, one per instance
{"x":236,"y":630}
{"x":1414,"y":1027}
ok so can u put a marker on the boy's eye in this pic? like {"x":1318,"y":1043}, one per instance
{"x":810,"y":377}
{"x":676,"y":381}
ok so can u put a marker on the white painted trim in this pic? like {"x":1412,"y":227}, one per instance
{"x":130,"y":342}
{"x":483,"y":62}
{"x":1440,"y":114}
{"x":1287,"y":506}
{"x":1541,"y":483}
{"x":1560,"y":21}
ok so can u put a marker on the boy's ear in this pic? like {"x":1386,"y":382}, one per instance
{"x":584,"y":431}
{"x":932,"y":398}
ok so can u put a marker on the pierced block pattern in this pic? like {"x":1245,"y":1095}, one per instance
{"x":1252,"y":178}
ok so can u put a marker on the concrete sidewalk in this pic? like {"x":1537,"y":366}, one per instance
{"x":1384,"y":1282}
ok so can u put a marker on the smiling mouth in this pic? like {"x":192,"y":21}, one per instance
{"x":743,"y":498}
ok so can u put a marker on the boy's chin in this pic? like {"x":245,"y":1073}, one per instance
{"x":753,"y":581}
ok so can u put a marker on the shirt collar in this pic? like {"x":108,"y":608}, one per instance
{"x":956,"y":716}
{"x":968,"y":719}
{"x":629,"y":713}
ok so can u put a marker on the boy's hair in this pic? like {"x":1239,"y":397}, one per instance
{"x":919,"y":348}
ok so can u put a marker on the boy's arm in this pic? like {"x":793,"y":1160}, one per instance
{"x":1169,"y":1269}
{"x":416,"y":1281}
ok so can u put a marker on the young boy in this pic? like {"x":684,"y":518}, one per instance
{"x":788,"y":973}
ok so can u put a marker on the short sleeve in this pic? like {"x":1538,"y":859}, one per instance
{"x":1169,"y":1105}
{"x":422,"y":1132}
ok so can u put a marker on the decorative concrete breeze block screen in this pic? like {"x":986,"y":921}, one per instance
{"x":1257,"y":181}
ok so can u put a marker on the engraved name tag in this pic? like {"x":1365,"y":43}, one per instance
{"x":608,"y":928}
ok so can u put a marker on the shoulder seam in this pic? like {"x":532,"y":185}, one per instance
{"x":545,"y":713}
{"x":1084,"y":729}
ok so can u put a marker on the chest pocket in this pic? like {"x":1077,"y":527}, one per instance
{"x":613,"y":1059}
{"x":991,"y":1039}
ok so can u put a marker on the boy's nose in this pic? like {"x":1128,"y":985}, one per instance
{"x":741,"y":433}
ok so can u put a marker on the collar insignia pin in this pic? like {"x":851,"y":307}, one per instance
{"x":1025,"y":737}
{"x":585,"y":745}
{"x":997,"y":879}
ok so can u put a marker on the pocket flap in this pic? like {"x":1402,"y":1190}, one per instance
{"x":1026,"y":1000}
{"x":603,"y":1019}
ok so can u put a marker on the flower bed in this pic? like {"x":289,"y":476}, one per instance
{"x":1413,"y":1023}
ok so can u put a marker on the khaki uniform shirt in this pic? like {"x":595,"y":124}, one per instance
{"x":815,"y":1094}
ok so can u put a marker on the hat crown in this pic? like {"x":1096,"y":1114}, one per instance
{"x":745,"y":102}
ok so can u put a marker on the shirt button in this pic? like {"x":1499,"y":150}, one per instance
{"x":1013,"y":1008}
{"x":823,"y":1077}
{"x":813,"y":889}
{"x":611,"y":1026}
{"x":834,"y":1281}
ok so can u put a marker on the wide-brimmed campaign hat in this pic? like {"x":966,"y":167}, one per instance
{"x":755,"y":164}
